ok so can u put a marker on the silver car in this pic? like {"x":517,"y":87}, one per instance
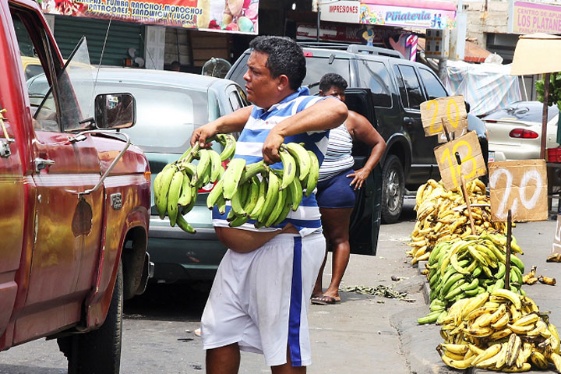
{"x":169,"y":106}
{"x":515,"y":132}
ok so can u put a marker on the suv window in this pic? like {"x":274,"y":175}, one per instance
{"x":432,"y":84}
{"x":374,"y":75}
{"x":409,"y":87}
{"x":317,"y":66}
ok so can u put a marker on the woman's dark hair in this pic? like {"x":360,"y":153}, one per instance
{"x":285,"y":58}
{"x":332,"y":80}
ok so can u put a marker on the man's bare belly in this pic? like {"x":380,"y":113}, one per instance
{"x":244,"y":241}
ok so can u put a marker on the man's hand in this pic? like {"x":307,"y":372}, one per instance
{"x":271,"y":147}
{"x":203,"y":133}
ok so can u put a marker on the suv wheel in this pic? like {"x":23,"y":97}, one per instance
{"x":98,"y":351}
{"x":393,"y":188}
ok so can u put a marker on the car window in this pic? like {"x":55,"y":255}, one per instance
{"x":527,"y":111}
{"x":317,"y":66}
{"x":374,"y":75}
{"x":432,"y":84}
{"x":410,"y":88}
{"x":165,"y":118}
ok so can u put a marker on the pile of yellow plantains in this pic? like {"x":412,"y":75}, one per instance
{"x":499,"y":330}
{"x":442,"y":215}
{"x":466,"y":267}
{"x":251,"y":191}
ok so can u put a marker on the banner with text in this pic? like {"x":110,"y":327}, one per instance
{"x":388,"y":15}
{"x":530,"y":18}
{"x":237,"y":16}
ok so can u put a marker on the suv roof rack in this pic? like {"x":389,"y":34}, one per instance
{"x":359,"y":48}
{"x":341,"y":46}
{"x":353,"y":48}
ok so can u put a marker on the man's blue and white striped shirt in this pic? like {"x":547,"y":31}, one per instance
{"x":250,"y":147}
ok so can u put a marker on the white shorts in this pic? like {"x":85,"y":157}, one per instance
{"x":259,"y":302}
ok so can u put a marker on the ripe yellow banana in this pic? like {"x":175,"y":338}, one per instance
{"x":487,"y":354}
{"x":513,"y":349}
{"x":232,"y":176}
{"x":514,"y":298}
{"x":538,"y":359}
{"x":547,"y":280}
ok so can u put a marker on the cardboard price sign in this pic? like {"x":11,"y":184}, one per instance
{"x":445,"y":115}
{"x":518,"y":186}
{"x":469,"y":166}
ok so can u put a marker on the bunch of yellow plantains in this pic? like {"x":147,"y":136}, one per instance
{"x":247,"y":191}
{"x":499,"y":330}
{"x":463,"y":268}
{"x":442,"y":215}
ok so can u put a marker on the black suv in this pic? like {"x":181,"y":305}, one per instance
{"x":398,"y":87}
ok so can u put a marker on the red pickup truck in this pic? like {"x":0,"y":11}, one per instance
{"x":74,"y":202}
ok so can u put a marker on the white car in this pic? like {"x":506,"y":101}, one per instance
{"x":515,"y":132}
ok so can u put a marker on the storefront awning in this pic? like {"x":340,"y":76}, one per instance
{"x":472,"y":53}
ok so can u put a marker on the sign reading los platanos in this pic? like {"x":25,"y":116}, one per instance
{"x":237,"y":16}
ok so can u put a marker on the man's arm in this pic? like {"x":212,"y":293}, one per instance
{"x":232,"y":122}
{"x":323,"y":115}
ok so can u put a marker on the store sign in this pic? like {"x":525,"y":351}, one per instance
{"x":340,"y":11}
{"x":236,"y":16}
{"x":532,"y":18}
{"x":387,"y":15}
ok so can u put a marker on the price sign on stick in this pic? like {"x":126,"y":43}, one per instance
{"x":445,"y":117}
{"x":471,"y":163}
{"x":520,"y":186}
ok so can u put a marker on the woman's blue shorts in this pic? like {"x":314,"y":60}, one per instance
{"x":336,"y":192}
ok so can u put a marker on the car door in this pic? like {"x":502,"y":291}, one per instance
{"x":365,"y":220}
{"x":423,"y":161}
{"x":66,"y":226}
{"x":12,"y":190}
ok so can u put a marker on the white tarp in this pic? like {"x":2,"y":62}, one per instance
{"x":485,"y":87}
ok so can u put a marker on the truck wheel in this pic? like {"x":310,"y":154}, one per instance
{"x":393,"y":187}
{"x":98,"y":351}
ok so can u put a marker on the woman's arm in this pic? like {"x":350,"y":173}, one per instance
{"x":362,"y":130}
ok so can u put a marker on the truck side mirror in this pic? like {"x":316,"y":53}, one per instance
{"x":115,"y":111}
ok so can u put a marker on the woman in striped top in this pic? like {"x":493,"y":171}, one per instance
{"x":338,"y":182}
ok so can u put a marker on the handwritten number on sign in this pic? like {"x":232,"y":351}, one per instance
{"x":449,"y":157}
{"x":531,"y":182}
